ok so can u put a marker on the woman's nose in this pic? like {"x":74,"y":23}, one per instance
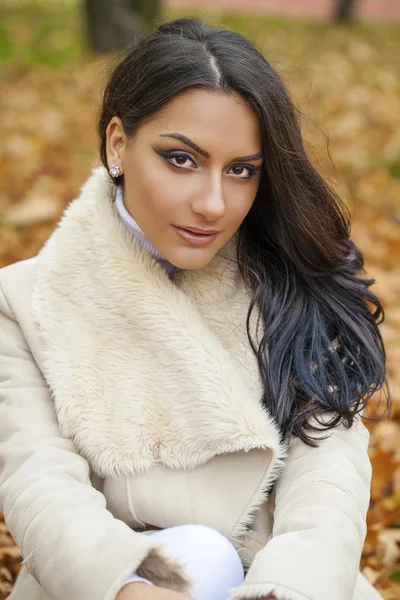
{"x":210,"y":202}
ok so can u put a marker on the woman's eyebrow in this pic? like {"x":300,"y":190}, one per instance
{"x":185,"y":140}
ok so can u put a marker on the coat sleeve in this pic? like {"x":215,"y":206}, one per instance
{"x":322,"y":498}
{"x":70,"y":543}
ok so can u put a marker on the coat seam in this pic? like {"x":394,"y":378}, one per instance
{"x":255,"y":493}
{"x":129,"y":502}
{"x":339,"y":486}
{"x":324,"y":503}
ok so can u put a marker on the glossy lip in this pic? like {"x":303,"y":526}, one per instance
{"x":198,"y":230}
{"x":194,"y":239}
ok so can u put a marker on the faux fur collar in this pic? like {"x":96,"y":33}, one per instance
{"x":144,"y":369}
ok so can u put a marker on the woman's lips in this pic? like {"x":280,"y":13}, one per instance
{"x":195,"y":239}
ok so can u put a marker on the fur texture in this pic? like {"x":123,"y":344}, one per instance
{"x":164,"y":571}
{"x":144,"y":369}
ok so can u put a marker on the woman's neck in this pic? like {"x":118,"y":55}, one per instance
{"x":136,"y":231}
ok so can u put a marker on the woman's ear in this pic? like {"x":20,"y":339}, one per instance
{"x":115,"y":143}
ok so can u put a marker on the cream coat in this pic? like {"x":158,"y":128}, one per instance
{"x":129,"y":402}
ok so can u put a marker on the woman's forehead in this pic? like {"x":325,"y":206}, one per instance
{"x":215,"y":121}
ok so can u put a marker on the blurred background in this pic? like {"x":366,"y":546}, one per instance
{"x":341,"y":62}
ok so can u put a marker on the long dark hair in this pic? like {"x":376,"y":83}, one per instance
{"x":321,"y":352}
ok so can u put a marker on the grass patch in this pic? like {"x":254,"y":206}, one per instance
{"x":52,"y":33}
{"x":43,"y":34}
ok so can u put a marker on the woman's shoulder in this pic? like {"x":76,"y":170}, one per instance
{"x":16,"y":284}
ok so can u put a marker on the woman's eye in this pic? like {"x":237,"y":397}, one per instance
{"x":181,"y":160}
{"x":240,"y":169}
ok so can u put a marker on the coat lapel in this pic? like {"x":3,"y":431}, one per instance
{"x":144,"y":369}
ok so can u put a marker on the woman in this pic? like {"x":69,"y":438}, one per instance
{"x":185,"y":363}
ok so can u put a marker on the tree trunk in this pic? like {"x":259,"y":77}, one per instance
{"x":345,"y":10}
{"x":111,"y":23}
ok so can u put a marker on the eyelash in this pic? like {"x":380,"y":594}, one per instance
{"x":169,"y":155}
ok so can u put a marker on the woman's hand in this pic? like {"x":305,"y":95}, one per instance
{"x":139,"y":590}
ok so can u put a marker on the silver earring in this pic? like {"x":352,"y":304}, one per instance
{"x":115,"y":171}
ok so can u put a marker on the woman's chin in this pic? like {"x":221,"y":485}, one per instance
{"x":191,"y":262}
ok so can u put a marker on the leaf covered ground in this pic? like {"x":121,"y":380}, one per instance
{"x":347,"y":84}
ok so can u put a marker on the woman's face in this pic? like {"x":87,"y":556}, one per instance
{"x":195,"y":164}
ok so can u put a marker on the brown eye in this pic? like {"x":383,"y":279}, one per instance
{"x":236,"y":169}
{"x":181,"y":159}
{"x":239,"y":169}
